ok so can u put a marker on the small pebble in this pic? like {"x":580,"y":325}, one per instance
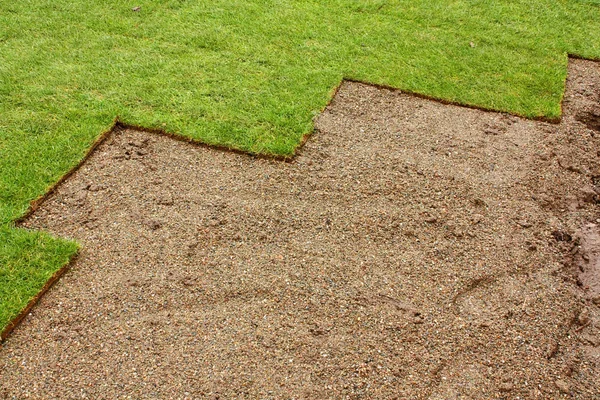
{"x":584,"y":317}
{"x":563,"y":386}
{"x":506,"y":387}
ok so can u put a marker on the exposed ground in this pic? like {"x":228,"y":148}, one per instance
{"x":411,"y":250}
{"x":248,"y":74}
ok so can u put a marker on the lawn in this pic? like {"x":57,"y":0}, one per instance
{"x":250,"y":75}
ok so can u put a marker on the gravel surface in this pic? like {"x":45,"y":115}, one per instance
{"x":411,"y":250}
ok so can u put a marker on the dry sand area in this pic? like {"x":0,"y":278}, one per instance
{"x":411,"y":250}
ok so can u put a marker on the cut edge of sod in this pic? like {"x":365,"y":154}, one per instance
{"x":118,"y":124}
{"x":12,"y":324}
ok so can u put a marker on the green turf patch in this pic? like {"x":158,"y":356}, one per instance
{"x":27,"y":261}
{"x":247,"y":74}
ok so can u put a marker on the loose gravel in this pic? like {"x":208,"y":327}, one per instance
{"x":411,"y":250}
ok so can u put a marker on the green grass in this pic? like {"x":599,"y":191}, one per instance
{"x":246,"y":74}
{"x":27,"y":261}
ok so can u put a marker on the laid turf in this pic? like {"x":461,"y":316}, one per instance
{"x":245,"y":74}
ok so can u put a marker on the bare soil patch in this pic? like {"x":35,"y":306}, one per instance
{"x":411,"y":250}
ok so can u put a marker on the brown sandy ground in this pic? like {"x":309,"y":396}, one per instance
{"x":412,"y":250}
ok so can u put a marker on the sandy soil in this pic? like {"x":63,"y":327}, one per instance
{"x":411,"y":250}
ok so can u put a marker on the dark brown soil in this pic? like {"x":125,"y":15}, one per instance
{"x":411,"y":250}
